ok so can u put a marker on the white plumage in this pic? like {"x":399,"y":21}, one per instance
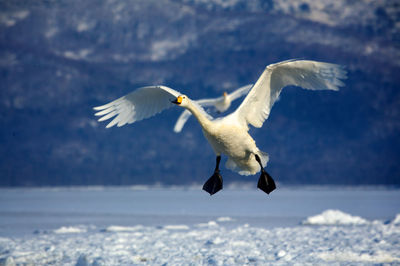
{"x":229,"y":134}
{"x":137,"y":105}
{"x":221,"y":104}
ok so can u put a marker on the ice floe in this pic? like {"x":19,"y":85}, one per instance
{"x":225,"y":219}
{"x":364,"y":243}
{"x":396,"y":220}
{"x":117,"y":228}
{"x":70,"y":230}
{"x":334,"y":217}
{"x":176,"y":227}
{"x":209,"y":224}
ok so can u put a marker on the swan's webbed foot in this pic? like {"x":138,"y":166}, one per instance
{"x":265,"y":182}
{"x":213,"y":184}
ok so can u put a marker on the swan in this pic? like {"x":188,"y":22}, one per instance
{"x":229,"y":134}
{"x":221,"y":104}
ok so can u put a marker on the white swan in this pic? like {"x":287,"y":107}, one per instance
{"x":221,"y":104}
{"x":229,"y":135}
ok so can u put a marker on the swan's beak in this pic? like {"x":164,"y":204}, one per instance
{"x":225,"y":94}
{"x":178,"y":100}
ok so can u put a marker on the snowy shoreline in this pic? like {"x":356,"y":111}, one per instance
{"x":160,"y":226}
{"x":350,"y":240}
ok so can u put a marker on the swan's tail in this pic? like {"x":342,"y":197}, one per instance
{"x":249,"y":166}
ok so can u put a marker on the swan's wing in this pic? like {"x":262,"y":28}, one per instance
{"x":210,"y":102}
{"x":233,"y":96}
{"x":181,"y":121}
{"x":137,"y":105}
{"x":240,"y":92}
{"x":312,"y":75}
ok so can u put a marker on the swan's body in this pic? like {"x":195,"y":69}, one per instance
{"x":229,"y":135}
{"x":221,"y":104}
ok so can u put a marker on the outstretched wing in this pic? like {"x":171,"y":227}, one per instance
{"x":240,"y":92}
{"x":181,"y":121}
{"x":137,"y":105}
{"x":310,"y":75}
{"x":210,"y":102}
{"x":233,"y":96}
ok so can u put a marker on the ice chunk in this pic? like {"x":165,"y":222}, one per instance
{"x":70,"y":230}
{"x":82,"y":260}
{"x":396,"y":220}
{"x":225,"y":219}
{"x":176,"y":227}
{"x":334,"y":217}
{"x":9,"y":261}
{"x":209,"y":224}
{"x":117,"y":228}
{"x":340,"y":256}
{"x":281,"y":254}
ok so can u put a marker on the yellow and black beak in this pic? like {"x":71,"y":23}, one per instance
{"x":178,"y":100}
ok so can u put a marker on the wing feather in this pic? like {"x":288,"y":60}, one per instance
{"x":240,"y":92}
{"x":310,"y":75}
{"x":137,"y":105}
{"x":210,"y":102}
{"x":181,"y":121}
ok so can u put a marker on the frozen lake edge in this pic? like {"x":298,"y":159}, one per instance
{"x":125,"y":226}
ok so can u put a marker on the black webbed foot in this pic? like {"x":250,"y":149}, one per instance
{"x":265,"y":182}
{"x":213,"y":184}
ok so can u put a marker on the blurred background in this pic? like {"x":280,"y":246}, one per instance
{"x":59,"y":58}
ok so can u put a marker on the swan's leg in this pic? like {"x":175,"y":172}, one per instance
{"x":265,"y":182}
{"x":214,"y":183}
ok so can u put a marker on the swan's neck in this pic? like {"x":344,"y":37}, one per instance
{"x":201,"y":118}
{"x":227,"y":100}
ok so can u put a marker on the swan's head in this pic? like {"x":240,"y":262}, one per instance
{"x":181,"y":100}
{"x":225,"y":94}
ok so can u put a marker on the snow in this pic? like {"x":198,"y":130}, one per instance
{"x":69,"y":230}
{"x":209,"y":224}
{"x":116,"y":228}
{"x":78,"y":55}
{"x":334,"y":217}
{"x":176,"y":227}
{"x":379,"y":257}
{"x":171,"y":47}
{"x":12,"y":18}
{"x":215,"y":245}
{"x":396,"y":220}
{"x":164,"y":232}
{"x":225,"y":219}
{"x":84,"y":26}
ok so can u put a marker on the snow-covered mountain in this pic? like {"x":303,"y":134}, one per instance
{"x":58,"y":59}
